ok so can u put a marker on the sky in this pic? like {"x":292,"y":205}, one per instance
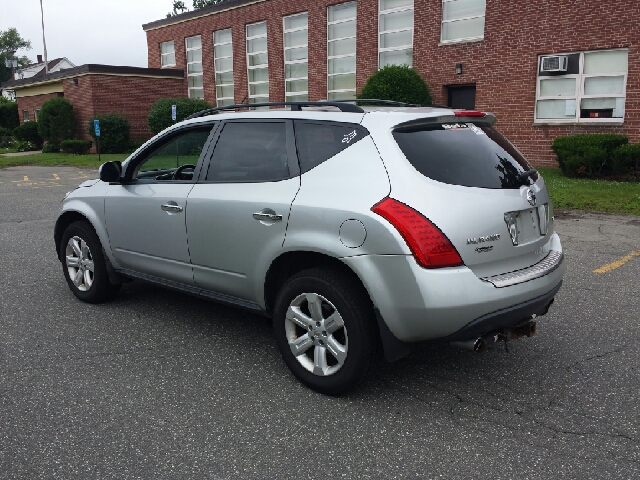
{"x":85,"y":31}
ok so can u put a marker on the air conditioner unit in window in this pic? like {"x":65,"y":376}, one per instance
{"x":556,"y":63}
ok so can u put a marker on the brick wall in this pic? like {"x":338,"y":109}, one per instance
{"x":81,"y":97}
{"x":33,"y":103}
{"x":503,"y":66}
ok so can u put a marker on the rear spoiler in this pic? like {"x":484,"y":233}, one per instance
{"x":461,"y":116}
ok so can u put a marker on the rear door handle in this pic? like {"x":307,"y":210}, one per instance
{"x":171,"y":207}
{"x":267,"y":216}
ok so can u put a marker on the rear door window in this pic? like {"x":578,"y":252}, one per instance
{"x":468,"y":154}
{"x":319,"y":141}
{"x":251,"y":152}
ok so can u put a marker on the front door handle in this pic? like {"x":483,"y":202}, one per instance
{"x":172,"y":207}
{"x":268,"y":216}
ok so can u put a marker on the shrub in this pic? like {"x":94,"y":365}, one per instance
{"x":8,"y":114}
{"x":79,"y":147}
{"x":51,"y":147}
{"x":5,"y":137}
{"x":160,"y":114}
{"x":56,"y":120}
{"x":28,"y":132}
{"x":589,"y":154}
{"x":134,"y":145}
{"x":114,"y":133}
{"x":627,"y":157}
{"x":399,"y":83}
{"x":23,"y":146}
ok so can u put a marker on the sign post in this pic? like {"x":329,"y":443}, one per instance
{"x":173,"y":113}
{"x":96,"y":127}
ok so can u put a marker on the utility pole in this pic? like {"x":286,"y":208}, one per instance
{"x":46,"y":63}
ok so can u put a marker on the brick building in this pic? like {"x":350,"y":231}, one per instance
{"x":100,"y":89}
{"x":485,"y":54}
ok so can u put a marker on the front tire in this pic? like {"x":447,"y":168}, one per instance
{"x":84,"y":265}
{"x":325,"y":330}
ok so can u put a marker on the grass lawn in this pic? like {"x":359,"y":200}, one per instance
{"x":60,"y":159}
{"x":593,"y":195}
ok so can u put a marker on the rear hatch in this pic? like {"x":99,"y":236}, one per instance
{"x":477,"y":188}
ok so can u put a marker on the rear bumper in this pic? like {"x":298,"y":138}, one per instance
{"x":450,"y":303}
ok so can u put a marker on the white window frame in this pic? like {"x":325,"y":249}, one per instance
{"x":257,"y":67}
{"x":354,"y":54}
{"x":36,"y":111}
{"x":383,"y":32}
{"x":463,"y":39}
{"x":25,"y":116}
{"x":216,"y":72}
{"x":579,"y":94}
{"x":162,"y":55}
{"x":199,"y":74}
{"x":294,"y":62}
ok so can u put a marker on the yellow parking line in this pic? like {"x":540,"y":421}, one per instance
{"x":55,"y":175}
{"x":618,"y":263}
{"x":26,"y":179}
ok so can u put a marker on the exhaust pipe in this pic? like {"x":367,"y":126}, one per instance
{"x":480,"y":344}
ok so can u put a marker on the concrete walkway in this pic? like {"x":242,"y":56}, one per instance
{"x":21,"y":154}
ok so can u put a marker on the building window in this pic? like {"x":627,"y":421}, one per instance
{"x":341,"y":51}
{"x":257,"y":62}
{"x":194,"y":67}
{"x":395,"y":33}
{"x":592,"y":89}
{"x":36,"y":112}
{"x":25,"y":115}
{"x":223,"y":62}
{"x":167,"y":54}
{"x":296,"y":57}
{"x":463,"y":20}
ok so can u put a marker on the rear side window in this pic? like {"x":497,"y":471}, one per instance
{"x":250,"y":152}
{"x":468,"y":154}
{"x":319,"y":141}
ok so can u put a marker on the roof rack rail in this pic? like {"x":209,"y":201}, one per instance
{"x":393,"y":103}
{"x":295,"y":106}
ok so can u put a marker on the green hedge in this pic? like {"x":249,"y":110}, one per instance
{"x":626,"y":158}
{"x":79,"y":147}
{"x":9,"y":117}
{"x":28,"y":132}
{"x":114,"y":133}
{"x":56,"y":120}
{"x":399,"y":83}
{"x":51,"y":147}
{"x":160,"y":114}
{"x":589,"y":154}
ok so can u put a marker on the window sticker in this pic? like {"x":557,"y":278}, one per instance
{"x":349,"y":136}
{"x":454,"y":126}
{"x":476,"y":130}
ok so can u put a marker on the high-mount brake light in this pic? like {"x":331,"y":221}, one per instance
{"x":429,"y":246}
{"x":469,"y":113}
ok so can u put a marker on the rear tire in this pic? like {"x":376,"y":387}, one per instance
{"x":84,"y":265}
{"x":327,"y":319}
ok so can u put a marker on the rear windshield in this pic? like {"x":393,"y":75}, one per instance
{"x":468,"y":154}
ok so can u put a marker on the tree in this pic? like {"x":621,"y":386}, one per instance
{"x":198,"y":4}
{"x":11,"y":42}
{"x":399,"y":83}
{"x":56,"y":120}
{"x":160,"y":114}
{"x":8,"y":114}
{"x":178,"y":8}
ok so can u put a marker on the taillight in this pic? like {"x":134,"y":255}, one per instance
{"x":429,"y":246}
{"x":469,"y":113}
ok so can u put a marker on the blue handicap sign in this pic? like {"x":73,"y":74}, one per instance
{"x":96,"y":127}
{"x":173,"y":113}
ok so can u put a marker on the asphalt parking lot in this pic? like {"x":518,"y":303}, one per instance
{"x":158,"y":384}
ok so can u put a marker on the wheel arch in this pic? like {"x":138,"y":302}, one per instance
{"x":80,"y":212}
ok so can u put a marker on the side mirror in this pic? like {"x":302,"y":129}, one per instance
{"x":110,"y":172}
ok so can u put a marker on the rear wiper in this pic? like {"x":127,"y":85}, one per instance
{"x":524,"y":175}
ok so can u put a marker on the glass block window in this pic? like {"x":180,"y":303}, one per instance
{"x":167,"y":54}
{"x":257,"y":62}
{"x":296,"y":57}
{"x":395,"y":33}
{"x":341,"y":51}
{"x":593,"y":89}
{"x":463,"y":20}
{"x":194,"y":67}
{"x":223,"y":64}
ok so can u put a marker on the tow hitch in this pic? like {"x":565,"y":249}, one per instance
{"x":480,"y":344}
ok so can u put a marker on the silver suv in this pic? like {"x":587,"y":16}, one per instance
{"x":358,"y":230}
